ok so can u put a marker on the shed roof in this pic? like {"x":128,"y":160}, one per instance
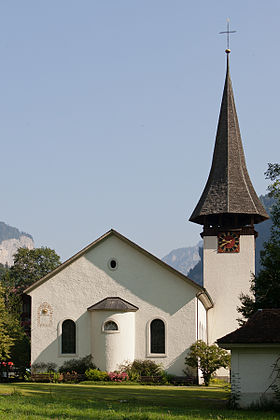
{"x":113,"y":304}
{"x":261,"y":328}
{"x":229,"y":190}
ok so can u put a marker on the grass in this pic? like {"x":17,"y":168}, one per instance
{"x":123,"y":402}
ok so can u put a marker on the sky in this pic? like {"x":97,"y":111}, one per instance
{"x":109,"y":108}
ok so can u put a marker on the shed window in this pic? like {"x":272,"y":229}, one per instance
{"x":157,"y":336}
{"x":110,"y":326}
{"x":68,"y":337}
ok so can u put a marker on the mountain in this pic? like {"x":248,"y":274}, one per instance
{"x":184,"y":259}
{"x":195,"y":273}
{"x":11,"y":239}
{"x":189,"y":260}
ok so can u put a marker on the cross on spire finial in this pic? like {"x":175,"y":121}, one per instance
{"x":227,"y":32}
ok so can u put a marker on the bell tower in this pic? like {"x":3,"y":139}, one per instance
{"x":228,"y":210}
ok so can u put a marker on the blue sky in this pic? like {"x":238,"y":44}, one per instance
{"x":108,"y":113}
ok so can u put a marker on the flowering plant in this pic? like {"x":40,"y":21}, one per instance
{"x":118,"y":377}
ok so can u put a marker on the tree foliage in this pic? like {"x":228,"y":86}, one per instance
{"x":14,"y":332}
{"x":6,"y":338}
{"x":265,"y":287}
{"x":29,"y":266}
{"x":207,"y":358}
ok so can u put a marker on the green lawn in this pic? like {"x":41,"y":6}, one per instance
{"x":124,"y":402}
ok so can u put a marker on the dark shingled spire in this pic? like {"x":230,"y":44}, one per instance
{"x":229,"y":198}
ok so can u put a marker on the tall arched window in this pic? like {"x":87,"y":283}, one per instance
{"x":157,"y":336}
{"x":68,"y":344}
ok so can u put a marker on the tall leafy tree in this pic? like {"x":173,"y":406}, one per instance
{"x":265,"y":287}
{"x":29,"y":266}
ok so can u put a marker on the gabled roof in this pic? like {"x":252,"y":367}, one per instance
{"x":262,"y":328}
{"x":229,"y":190}
{"x":202,"y":294}
{"x":113,"y":304}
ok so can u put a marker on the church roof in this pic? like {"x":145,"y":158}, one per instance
{"x":113,"y":304}
{"x":229,"y":189}
{"x":261,"y":328}
{"x":201,"y":294}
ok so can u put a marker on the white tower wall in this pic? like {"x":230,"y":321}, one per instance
{"x":226,"y":276}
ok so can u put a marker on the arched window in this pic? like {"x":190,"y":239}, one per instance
{"x":68,"y":337}
{"x":110,"y":326}
{"x":157,"y":336}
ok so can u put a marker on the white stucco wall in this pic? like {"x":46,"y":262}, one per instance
{"x":112,"y":348}
{"x":251,"y":373}
{"x":225,"y":277}
{"x":157,"y":292}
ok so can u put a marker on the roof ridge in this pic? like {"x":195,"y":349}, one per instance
{"x":228,"y":81}
{"x":201,"y":289}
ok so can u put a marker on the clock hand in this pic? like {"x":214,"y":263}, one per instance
{"x":226,"y":242}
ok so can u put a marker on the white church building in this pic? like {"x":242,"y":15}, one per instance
{"x":117,"y":302}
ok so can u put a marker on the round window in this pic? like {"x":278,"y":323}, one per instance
{"x":113,"y":264}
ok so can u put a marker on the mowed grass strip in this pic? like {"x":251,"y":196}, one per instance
{"x":122,"y":402}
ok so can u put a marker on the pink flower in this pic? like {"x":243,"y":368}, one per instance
{"x":118,"y":377}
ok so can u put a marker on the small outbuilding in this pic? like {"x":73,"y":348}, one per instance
{"x":255,"y":353}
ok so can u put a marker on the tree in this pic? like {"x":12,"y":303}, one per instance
{"x":6,"y":340}
{"x":20,"y":349}
{"x":265,"y":287}
{"x":3,"y":270}
{"x":207,"y":358}
{"x":29,"y":266}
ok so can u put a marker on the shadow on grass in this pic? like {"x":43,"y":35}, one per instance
{"x":154,"y":395}
{"x":45,"y":401}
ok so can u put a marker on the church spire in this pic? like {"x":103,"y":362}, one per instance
{"x":229,"y":198}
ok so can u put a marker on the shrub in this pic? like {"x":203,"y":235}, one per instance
{"x":140,"y":368}
{"x":56,"y":378}
{"x":167,"y":378}
{"x":42,"y":367}
{"x":27,"y":376}
{"x":96,"y":375}
{"x":77,"y":365}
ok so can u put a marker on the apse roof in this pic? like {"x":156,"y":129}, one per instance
{"x":229,"y":189}
{"x":113,"y":304}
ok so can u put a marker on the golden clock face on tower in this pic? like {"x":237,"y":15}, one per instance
{"x":228,"y":242}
